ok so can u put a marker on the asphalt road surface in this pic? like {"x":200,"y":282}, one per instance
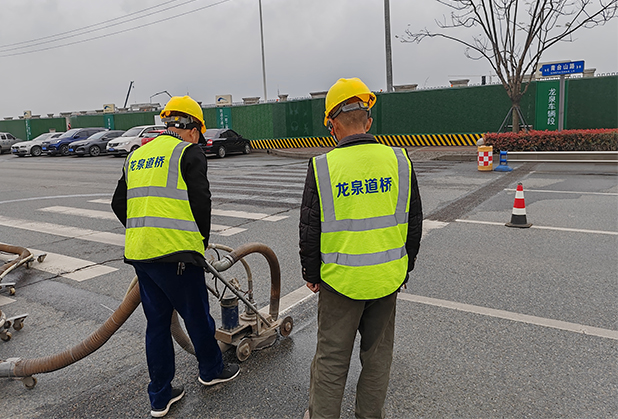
{"x":496,"y":321}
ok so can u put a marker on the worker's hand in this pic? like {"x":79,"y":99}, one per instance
{"x":313,"y":287}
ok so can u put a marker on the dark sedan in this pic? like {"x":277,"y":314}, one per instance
{"x":95,"y":144}
{"x":223,"y":141}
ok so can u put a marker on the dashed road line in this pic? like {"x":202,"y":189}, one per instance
{"x":517,"y":317}
{"x":567,"y":192}
{"x":575,"y":230}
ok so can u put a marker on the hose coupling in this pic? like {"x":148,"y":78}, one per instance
{"x":7,"y":367}
{"x":223,"y":264}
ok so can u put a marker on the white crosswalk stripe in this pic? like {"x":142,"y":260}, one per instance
{"x":65,"y":266}
{"x":280,"y":185}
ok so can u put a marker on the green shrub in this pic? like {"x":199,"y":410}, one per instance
{"x":572,"y":140}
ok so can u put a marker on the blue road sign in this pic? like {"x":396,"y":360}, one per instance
{"x":569,"y":67}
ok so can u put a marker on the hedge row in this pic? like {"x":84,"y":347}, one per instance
{"x":571,"y":140}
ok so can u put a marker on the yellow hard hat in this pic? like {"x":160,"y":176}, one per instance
{"x":345,"y":89}
{"x":185,"y":105}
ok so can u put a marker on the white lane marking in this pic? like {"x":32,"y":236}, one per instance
{"x":303,"y":293}
{"x":81,"y":212}
{"x":91,"y":235}
{"x":293,"y":299}
{"x":64,"y":231}
{"x":225,"y":230}
{"x":517,"y":317}
{"x":37,"y":198}
{"x":66,"y":266}
{"x":220,"y":212}
{"x":5,"y":300}
{"x":575,"y":230}
{"x":248,"y":215}
{"x":567,"y":192}
{"x":267,"y":198}
{"x":429,"y":225}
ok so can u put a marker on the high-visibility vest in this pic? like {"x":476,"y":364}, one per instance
{"x":364,"y":195}
{"x":159,"y":217}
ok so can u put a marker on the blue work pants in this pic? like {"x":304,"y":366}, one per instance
{"x":163,"y":288}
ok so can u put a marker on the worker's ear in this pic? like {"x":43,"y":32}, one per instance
{"x":368,"y":124}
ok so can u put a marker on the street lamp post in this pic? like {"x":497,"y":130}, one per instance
{"x":387,"y":36}
{"x":263,"y":61}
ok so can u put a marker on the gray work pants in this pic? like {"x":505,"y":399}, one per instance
{"x":338,"y":320}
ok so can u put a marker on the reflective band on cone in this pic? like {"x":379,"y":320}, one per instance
{"x":518,"y":218}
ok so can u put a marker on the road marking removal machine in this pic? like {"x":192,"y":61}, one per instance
{"x":254,"y":329}
{"x":24,"y":258}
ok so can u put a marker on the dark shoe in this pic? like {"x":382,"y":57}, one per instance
{"x":177,"y":394}
{"x":230,"y":371}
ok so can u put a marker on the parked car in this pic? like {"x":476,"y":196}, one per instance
{"x":152,"y":135}
{"x":223,"y":141}
{"x":60,"y":145}
{"x":33,"y":147}
{"x":6,"y":141}
{"x":95,"y":144}
{"x":130,"y":140}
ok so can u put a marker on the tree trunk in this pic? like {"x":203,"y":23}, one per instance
{"x":515,"y":116}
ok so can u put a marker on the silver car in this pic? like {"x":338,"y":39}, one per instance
{"x":6,"y":141}
{"x":33,"y":147}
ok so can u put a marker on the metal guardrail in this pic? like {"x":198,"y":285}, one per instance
{"x":564,"y":156}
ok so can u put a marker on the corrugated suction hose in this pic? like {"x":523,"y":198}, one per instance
{"x":27,"y":367}
{"x":16,"y":367}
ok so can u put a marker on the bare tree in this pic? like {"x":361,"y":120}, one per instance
{"x":514,"y":34}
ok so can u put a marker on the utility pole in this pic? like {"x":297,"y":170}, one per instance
{"x":387,"y":36}
{"x":263,"y":62}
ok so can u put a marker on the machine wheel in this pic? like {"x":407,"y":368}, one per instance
{"x":29,"y":382}
{"x":64,"y":150}
{"x":243,"y":350}
{"x":12,"y":291}
{"x":221,"y":152}
{"x":18,"y":324}
{"x":286,"y":326}
{"x":135,"y":147}
{"x":95,"y":151}
{"x":35,"y":151}
{"x":247,"y":149}
{"x":6,"y":336}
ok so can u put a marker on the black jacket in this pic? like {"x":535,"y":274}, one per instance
{"x":193,"y":168}
{"x":310,"y":228}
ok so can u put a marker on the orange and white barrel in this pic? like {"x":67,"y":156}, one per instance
{"x":485,"y":158}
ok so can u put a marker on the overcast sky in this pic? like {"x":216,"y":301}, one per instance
{"x":309,"y":44}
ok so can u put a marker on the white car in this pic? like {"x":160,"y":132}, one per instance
{"x":33,"y":147}
{"x":6,"y":141}
{"x":130,"y":140}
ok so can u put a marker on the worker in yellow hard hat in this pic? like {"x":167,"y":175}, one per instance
{"x":360,"y":231}
{"x":163,"y":199}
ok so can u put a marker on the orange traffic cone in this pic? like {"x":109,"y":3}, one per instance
{"x":518,"y":219}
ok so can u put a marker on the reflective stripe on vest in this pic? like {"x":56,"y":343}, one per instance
{"x":363,"y":230}
{"x":159,"y":218}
